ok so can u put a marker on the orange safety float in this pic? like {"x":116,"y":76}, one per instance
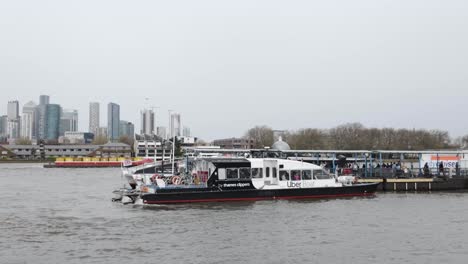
{"x":176,"y":180}
{"x":155,"y":176}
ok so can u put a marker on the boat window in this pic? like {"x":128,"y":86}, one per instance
{"x":244,"y":173}
{"x":149,"y":170}
{"x":232,"y":173}
{"x":284,"y":175}
{"x":321,"y":175}
{"x":257,"y":173}
{"x":307,"y":175}
{"x":295,"y":175}
{"x":268,"y":172}
{"x":222,"y":174}
{"x":274,"y":173}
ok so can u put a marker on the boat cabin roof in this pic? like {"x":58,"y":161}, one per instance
{"x":230,"y":163}
{"x":260,"y":163}
{"x":284,"y":164}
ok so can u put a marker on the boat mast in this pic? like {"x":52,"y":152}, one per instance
{"x":171,"y":128}
{"x":163,"y":155}
{"x":173,"y":152}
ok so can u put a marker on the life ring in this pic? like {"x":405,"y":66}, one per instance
{"x":155,"y":176}
{"x":176,"y":180}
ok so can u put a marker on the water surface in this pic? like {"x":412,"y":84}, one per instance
{"x":66,"y":216}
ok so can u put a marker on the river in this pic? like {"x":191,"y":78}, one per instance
{"x":66,"y":216}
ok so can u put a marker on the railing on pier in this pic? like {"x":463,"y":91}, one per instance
{"x":404,"y":173}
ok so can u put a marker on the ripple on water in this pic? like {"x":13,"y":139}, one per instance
{"x":72,"y":225}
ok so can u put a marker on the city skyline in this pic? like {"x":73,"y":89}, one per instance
{"x":83,"y":123}
{"x":69,"y":121}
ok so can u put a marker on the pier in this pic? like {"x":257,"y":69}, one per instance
{"x":396,"y":170}
{"x":419,"y":184}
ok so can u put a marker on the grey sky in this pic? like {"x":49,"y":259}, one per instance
{"x":229,"y":65}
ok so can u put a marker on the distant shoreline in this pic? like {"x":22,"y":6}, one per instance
{"x":24,"y":161}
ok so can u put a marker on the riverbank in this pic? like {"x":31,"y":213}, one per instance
{"x":25,"y":161}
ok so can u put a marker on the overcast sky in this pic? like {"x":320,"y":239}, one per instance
{"x":229,"y":65}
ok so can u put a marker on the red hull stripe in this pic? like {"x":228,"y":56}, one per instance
{"x":87,"y":164}
{"x":258,"y":198}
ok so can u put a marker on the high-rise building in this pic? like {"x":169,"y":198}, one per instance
{"x":94,"y":118}
{"x":52,"y":124}
{"x":147,"y":122}
{"x":14,"y":129}
{"x":186,"y":132}
{"x":13,"y":110}
{"x":29,"y":121}
{"x":161,"y":132}
{"x":102,"y":132}
{"x":3,"y":126}
{"x":14,"y":123}
{"x":44,"y":100}
{"x":113,"y":121}
{"x":41,"y":125}
{"x":175,"y":128}
{"x":127,"y":129}
{"x":68,"y":121}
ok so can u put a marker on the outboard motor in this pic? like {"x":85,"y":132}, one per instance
{"x":347,"y":180}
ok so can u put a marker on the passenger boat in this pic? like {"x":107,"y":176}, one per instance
{"x":141,"y":174}
{"x":239,"y":179}
{"x":96,"y":163}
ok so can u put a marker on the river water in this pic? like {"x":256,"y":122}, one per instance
{"x":66,"y":216}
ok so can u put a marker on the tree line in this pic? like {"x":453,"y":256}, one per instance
{"x":355,"y":136}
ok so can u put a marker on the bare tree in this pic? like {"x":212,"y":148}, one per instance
{"x":100,"y":140}
{"x":23,"y":141}
{"x":461,"y":142}
{"x":354,"y":136}
{"x":308,"y":138}
{"x":261,"y":135}
{"x":126,"y":140}
{"x":348,"y":136}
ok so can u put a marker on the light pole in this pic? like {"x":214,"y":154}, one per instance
{"x":169,"y":126}
{"x":173,"y":139}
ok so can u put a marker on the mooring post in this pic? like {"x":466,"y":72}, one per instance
{"x":365,"y":168}
{"x":420,"y":158}
{"x":381,"y":164}
{"x":334,"y":165}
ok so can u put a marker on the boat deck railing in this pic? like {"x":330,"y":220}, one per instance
{"x":405,"y":173}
